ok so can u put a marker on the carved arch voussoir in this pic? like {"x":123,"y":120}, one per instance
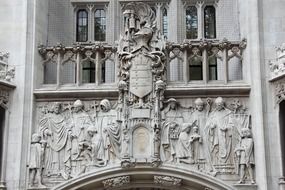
{"x":97,"y":180}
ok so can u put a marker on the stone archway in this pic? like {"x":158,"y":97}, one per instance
{"x":144,"y":178}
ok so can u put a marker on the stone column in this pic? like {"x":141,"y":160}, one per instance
{"x":256,"y":100}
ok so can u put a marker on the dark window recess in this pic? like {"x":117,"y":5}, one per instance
{"x":196,"y":70}
{"x":191,"y":22}
{"x":210,"y":22}
{"x":282,"y":133}
{"x":103,"y":72}
{"x":88,"y":72}
{"x":100,"y":25}
{"x":213,"y":69}
{"x":2,"y":123}
{"x":82,"y":26}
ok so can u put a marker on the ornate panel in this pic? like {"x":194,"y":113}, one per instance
{"x":142,"y":127}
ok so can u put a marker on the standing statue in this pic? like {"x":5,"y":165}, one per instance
{"x":81,"y":121}
{"x":183,"y":147}
{"x":196,"y":142}
{"x":200,"y":116}
{"x":173,"y":119}
{"x":244,"y":152}
{"x":220,"y":133}
{"x":36,"y":162}
{"x":55,"y":132}
{"x":110,"y":131}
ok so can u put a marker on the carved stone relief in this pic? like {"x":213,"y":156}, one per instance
{"x":167,"y":180}
{"x":116,"y":182}
{"x":277,"y":66}
{"x":7,"y":72}
{"x":142,"y":127}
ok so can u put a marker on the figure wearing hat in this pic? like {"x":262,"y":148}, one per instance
{"x":172,"y":119}
{"x":80,"y":123}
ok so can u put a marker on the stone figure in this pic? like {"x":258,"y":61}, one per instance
{"x":199,"y":117}
{"x":125,"y":143}
{"x":196,"y":142}
{"x":183,"y":147}
{"x":110,"y":131}
{"x":220,"y":133}
{"x":173,"y":118}
{"x":81,"y":121}
{"x":36,"y":162}
{"x":55,"y":131}
{"x":95,"y":146}
{"x":244,"y":152}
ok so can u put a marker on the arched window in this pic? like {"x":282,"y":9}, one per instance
{"x":82,"y":26}
{"x":191,"y":22}
{"x":210,"y":22}
{"x":100,"y":25}
{"x":164,"y":23}
{"x":88,"y":72}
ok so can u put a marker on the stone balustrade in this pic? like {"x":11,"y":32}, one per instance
{"x":197,"y":52}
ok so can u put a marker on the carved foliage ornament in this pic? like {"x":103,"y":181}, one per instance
{"x":116,"y":182}
{"x":167,"y":181}
{"x":279,"y":92}
{"x":277,"y":66}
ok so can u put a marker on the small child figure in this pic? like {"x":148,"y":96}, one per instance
{"x":36,"y":160}
{"x":245,"y":154}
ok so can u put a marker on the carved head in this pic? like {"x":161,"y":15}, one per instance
{"x":199,"y":104}
{"x":186,"y":127}
{"x":245,"y":132}
{"x":220,"y":103}
{"x":78,"y":105}
{"x":172,"y":103}
{"x":105,"y":105}
{"x":57,"y":107}
{"x":36,"y":138}
{"x":91,"y":131}
{"x":195,"y":129}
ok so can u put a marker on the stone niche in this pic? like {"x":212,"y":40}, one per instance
{"x":141,"y":143}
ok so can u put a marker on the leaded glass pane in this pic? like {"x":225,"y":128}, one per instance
{"x":210,"y":22}
{"x":88,"y":72}
{"x":100,"y":25}
{"x":82,"y":26}
{"x":191,"y":22}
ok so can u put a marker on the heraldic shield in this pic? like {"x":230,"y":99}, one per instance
{"x":141,"y":75}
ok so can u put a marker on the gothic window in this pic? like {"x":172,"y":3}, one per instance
{"x":195,"y":70}
{"x":213,"y":71}
{"x":88,"y":72}
{"x":164,"y":22}
{"x":100,"y":25}
{"x":50,"y":71}
{"x":209,"y":22}
{"x":68,"y":72}
{"x":82,"y":26}
{"x":191,"y":22}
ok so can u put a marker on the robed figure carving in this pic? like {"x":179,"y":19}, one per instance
{"x":110,"y":132}
{"x":55,"y":131}
{"x":220,"y":133}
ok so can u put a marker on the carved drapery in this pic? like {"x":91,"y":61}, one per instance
{"x":141,"y":128}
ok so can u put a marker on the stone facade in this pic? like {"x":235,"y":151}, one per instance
{"x":141,"y":122}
